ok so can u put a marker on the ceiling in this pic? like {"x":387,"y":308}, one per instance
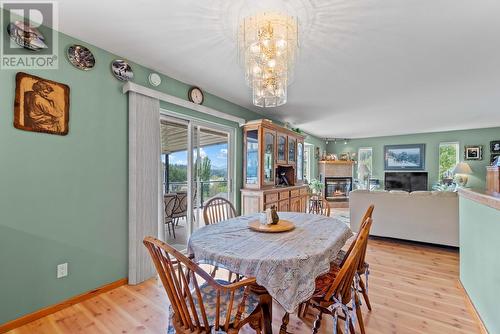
{"x":366,"y":67}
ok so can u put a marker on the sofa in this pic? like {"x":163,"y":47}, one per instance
{"x":425,"y":216}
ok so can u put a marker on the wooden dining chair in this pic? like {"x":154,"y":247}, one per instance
{"x":319,"y":206}
{"x":169,"y":203}
{"x":218,"y":209}
{"x":335,"y":293}
{"x":364,"y":267}
{"x":201,"y":304}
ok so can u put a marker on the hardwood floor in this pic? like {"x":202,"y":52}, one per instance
{"x":413,"y":289}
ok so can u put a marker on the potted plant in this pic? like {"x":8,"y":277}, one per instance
{"x":316,"y":186}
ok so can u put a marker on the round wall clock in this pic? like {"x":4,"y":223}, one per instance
{"x":122,"y":70}
{"x":195,"y":95}
{"x":154,"y":79}
{"x":80,"y":57}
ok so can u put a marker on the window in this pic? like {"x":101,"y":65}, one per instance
{"x":308,"y":153}
{"x":365,"y":164}
{"x":448,"y":158}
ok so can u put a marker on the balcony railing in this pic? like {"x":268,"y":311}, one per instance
{"x":208,"y":189}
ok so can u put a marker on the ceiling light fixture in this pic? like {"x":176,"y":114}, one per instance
{"x":268,"y":45}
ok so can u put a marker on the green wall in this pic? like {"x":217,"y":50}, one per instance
{"x":432,"y":140}
{"x":479,"y":259}
{"x":65,"y":199}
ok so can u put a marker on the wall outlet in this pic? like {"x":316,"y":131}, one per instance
{"x":62,"y":270}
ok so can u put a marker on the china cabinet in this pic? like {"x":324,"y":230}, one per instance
{"x":272,"y":168}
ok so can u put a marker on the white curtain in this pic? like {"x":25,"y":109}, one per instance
{"x":144,"y":182}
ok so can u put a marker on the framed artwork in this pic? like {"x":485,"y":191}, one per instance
{"x":41,"y":105}
{"x":473,"y":152}
{"x":493,"y":157}
{"x":404,"y":157}
{"x":495,"y":147}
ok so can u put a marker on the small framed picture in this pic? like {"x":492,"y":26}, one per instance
{"x":495,"y":147}
{"x":493,"y":158}
{"x":474,"y":152}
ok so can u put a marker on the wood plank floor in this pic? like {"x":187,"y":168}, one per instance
{"x":413,"y":288}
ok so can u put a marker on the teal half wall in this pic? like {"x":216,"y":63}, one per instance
{"x":431,"y":141}
{"x":480,"y":259}
{"x":65,"y":198}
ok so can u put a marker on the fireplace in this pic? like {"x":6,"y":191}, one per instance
{"x":337,"y":189}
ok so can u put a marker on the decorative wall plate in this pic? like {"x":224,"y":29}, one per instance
{"x":26,"y":36}
{"x":154,"y":79}
{"x":80,"y":57}
{"x":122,"y":70}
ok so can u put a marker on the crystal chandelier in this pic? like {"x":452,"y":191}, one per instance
{"x":268,"y":45}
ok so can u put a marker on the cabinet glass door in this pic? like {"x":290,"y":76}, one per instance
{"x":269,"y":139}
{"x":291,"y":150}
{"x":300,"y":161}
{"x":252,"y":157}
{"x":281,"y":156}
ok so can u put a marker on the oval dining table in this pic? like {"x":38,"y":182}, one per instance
{"x":285,"y":264}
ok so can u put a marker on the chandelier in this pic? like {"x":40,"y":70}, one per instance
{"x":268,"y":45}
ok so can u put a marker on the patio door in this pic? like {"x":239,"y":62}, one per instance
{"x":197,"y":160}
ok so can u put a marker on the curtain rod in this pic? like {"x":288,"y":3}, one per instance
{"x":130,"y":86}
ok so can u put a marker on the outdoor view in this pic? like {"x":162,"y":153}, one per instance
{"x":365,"y":163}
{"x":212,"y":171}
{"x":448,"y":158}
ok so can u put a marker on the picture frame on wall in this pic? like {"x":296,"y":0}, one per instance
{"x":41,"y":105}
{"x":404,"y":157}
{"x":473,"y":152}
{"x":495,"y":147}
{"x":493,"y":157}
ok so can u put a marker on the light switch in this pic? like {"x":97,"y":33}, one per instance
{"x":62,"y":270}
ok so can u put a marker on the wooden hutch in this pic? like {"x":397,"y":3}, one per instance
{"x":273,"y":168}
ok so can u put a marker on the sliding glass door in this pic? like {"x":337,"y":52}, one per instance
{"x":197,"y":165}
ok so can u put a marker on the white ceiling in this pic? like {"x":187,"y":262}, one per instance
{"x":366,"y":67}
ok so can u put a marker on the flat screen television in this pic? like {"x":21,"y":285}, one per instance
{"x":408,"y":181}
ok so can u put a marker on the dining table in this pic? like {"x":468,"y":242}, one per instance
{"x":285,"y":265}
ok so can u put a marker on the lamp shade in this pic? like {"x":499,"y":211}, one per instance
{"x":462,"y":168}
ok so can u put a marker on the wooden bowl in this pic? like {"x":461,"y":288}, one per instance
{"x":282,"y":226}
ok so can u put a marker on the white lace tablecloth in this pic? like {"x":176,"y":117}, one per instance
{"x":286,"y":264}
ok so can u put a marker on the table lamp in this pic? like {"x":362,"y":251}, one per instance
{"x":461,"y":170}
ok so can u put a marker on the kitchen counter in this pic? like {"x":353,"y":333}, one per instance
{"x":479,"y":213}
{"x":490,"y":199}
